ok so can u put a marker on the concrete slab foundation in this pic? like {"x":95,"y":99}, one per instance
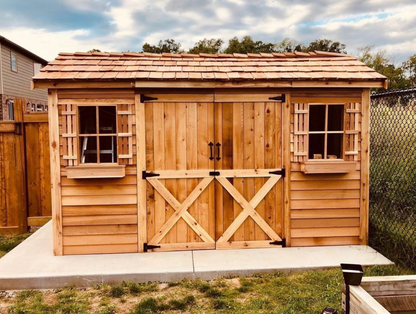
{"x":32,"y":265}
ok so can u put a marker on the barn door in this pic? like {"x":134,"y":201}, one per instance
{"x":180,"y":188}
{"x":248,"y":167}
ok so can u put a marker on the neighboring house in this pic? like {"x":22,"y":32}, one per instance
{"x":17,"y":67}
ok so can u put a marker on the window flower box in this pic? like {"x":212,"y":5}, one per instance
{"x":327,"y":166}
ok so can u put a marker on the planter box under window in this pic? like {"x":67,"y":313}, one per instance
{"x":96,"y":171}
{"x":327,"y":166}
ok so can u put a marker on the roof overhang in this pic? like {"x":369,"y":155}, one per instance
{"x":67,"y":84}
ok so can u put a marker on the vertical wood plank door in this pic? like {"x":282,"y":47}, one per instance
{"x":248,"y":162}
{"x":180,"y":190}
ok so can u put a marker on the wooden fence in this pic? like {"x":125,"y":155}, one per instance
{"x":25,"y":198}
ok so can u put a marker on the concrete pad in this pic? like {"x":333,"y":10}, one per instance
{"x":32,"y":265}
{"x":214,"y":264}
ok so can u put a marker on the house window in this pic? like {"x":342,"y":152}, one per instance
{"x":326,"y":131}
{"x":10,"y":108}
{"x":36,"y":68}
{"x":13,"y":61}
{"x":98,"y":134}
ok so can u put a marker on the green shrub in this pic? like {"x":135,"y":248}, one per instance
{"x":117,"y":292}
{"x":148,"y":305}
{"x":213,"y":293}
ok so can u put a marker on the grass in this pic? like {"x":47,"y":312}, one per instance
{"x":278,"y":293}
{"x":299,"y":292}
{"x":9,"y":242}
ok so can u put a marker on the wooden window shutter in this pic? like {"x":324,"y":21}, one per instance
{"x":69,"y":127}
{"x":125,"y":123}
{"x":352,"y":130}
{"x":300,"y":132}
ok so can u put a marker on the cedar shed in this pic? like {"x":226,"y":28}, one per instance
{"x":164,"y":152}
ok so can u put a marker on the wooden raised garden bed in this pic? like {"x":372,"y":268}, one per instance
{"x":380,"y":295}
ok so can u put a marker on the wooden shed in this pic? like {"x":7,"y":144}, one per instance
{"x":180,"y":152}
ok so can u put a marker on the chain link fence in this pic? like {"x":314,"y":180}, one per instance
{"x":393,"y":175}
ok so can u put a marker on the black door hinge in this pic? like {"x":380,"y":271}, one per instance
{"x":279,"y":172}
{"x":281,"y":98}
{"x":282,"y":243}
{"x":150,"y":247}
{"x":214,"y":173}
{"x":149,"y":174}
{"x":144,"y":98}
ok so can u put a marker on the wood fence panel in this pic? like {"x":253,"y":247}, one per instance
{"x":13,"y":217}
{"x":25,"y":191}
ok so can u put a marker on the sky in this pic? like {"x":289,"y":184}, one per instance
{"x":47,"y":27}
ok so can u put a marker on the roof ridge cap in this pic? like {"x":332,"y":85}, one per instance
{"x":333,"y":54}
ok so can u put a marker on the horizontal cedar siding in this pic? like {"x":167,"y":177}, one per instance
{"x":325,"y":208}
{"x":100,"y":215}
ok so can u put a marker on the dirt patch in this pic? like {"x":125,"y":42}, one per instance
{"x":234,"y":282}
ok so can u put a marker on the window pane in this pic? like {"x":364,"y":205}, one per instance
{"x":107,"y":116}
{"x":316,"y":146}
{"x":335,"y":117}
{"x":87,"y":120}
{"x":335,"y":145}
{"x":14,"y":62}
{"x":36,"y":68}
{"x":317,"y":118}
{"x":88,"y":149}
{"x":108,"y":149}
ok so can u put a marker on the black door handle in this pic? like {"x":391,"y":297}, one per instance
{"x":218,"y":146}
{"x":211,"y":144}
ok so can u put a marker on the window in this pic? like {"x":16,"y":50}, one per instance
{"x":326,"y":131}
{"x":13,"y":61}
{"x":10,"y":107}
{"x":95,"y":134}
{"x":98,"y":134}
{"x":36,"y":68}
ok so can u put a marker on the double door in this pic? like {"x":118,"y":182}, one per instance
{"x":214,"y":174}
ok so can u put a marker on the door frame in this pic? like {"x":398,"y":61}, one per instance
{"x":206,"y":94}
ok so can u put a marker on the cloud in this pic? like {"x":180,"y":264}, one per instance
{"x":122,"y":25}
{"x":48,"y":44}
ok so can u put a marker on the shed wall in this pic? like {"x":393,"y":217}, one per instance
{"x":101,"y":215}
{"x":98,"y":215}
{"x":325,"y":208}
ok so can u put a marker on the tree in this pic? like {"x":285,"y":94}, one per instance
{"x":247,"y":45}
{"x":207,"y":46}
{"x":94,"y":50}
{"x":409,"y":67}
{"x":167,"y":46}
{"x":380,"y":62}
{"x":326,"y":45}
{"x":289,"y":45}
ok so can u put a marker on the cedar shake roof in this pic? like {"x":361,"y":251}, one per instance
{"x":301,"y":66}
